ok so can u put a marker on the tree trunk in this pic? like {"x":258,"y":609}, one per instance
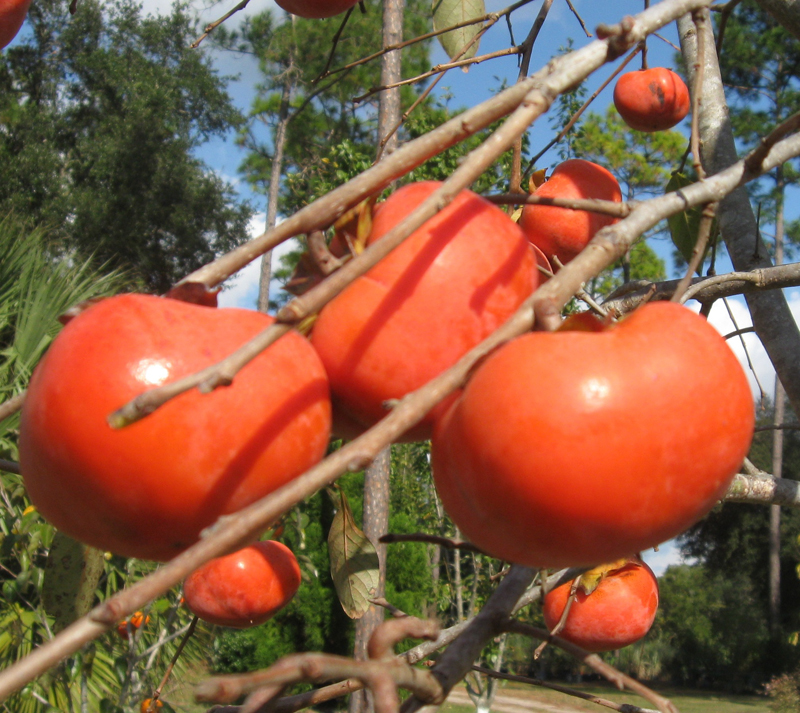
{"x":376,"y":480}
{"x":772,"y":318}
{"x":274,"y":185}
{"x":777,"y":449}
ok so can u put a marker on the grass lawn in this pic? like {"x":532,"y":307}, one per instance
{"x":687,"y":701}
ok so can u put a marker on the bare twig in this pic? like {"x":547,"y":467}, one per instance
{"x":9,"y":466}
{"x":214,"y":25}
{"x":10,"y":407}
{"x":724,"y":14}
{"x":427,"y":36}
{"x":436,"y":70}
{"x":704,"y":289}
{"x":175,"y":657}
{"x":580,"y":19}
{"x":593,"y":205}
{"x":700,"y":17}
{"x":616,"y":677}
{"x":577,"y":115}
{"x":764,"y":489}
{"x":391,"y":538}
{"x":334,"y":45}
{"x":621,"y":707}
{"x":698,"y":252}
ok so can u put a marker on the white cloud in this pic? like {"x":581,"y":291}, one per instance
{"x":759,"y":368}
{"x":242,"y":289}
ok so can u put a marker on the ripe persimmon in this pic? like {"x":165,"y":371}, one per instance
{"x":564,"y":232}
{"x":652,"y":99}
{"x":614,"y":606}
{"x":12,"y":15}
{"x":244,"y":588}
{"x":147,"y":490}
{"x":445,"y":289}
{"x":316,"y":9}
{"x":581,"y":446}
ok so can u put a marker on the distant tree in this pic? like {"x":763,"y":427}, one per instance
{"x":100,"y":115}
{"x":715,"y":626}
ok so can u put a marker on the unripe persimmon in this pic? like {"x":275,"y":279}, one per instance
{"x":445,"y":289}
{"x":147,"y":490}
{"x":614,"y":606}
{"x":652,"y":99}
{"x":316,"y":9}
{"x":561,"y":231}
{"x":580,"y":446}
{"x":12,"y":15}
{"x":245,"y":588}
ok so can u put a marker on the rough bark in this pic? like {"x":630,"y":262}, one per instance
{"x":376,"y":480}
{"x":265,"y":275}
{"x":772,"y":318}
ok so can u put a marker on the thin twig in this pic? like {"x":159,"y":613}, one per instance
{"x":621,"y":707}
{"x":593,"y":205}
{"x":10,"y":407}
{"x":334,"y":45}
{"x":616,"y":677}
{"x":214,"y":25}
{"x":391,"y":538}
{"x":436,"y":70}
{"x":9,"y":466}
{"x":580,"y":19}
{"x":700,"y":18}
{"x":577,"y":115}
{"x":427,"y":36}
{"x":699,"y":250}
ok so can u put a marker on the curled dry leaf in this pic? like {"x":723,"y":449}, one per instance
{"x":354,"y":562}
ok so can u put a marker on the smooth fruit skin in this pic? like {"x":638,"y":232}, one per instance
{"x":147,"y":490}
{"x":619,"y":612}
{"x":578,"y":447}
{"x":12,"y":15}
{"x":245,"y":588}
{"x":316,"y":9}
{"x":652,"y":99}
{"x":563,"y":232}
{"x":444,"y":290}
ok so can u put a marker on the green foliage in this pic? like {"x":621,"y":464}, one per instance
{"x":100,"y":114}
{"x":715,"y":626}
{"x":36,"y":288}
{"x":324,"y":128}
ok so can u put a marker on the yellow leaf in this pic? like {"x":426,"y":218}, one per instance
{"x":591,"y":579}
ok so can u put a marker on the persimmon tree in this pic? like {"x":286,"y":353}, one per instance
{"x":718,"y":191}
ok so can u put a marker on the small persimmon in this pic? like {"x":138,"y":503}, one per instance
{"x":564,"y":232}
{"x":245,"y":588}
{"x":614,"y":606}
{"x":652,"y":99}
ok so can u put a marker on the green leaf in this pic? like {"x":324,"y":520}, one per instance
{"x":354,"y":562}
{"x":451,"y":12}
{"x":685,"y":226}
{"x":71,"y":575}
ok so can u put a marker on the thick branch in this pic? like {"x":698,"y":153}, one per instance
{"x":704,"y":289}
{"x":763,"y":490}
